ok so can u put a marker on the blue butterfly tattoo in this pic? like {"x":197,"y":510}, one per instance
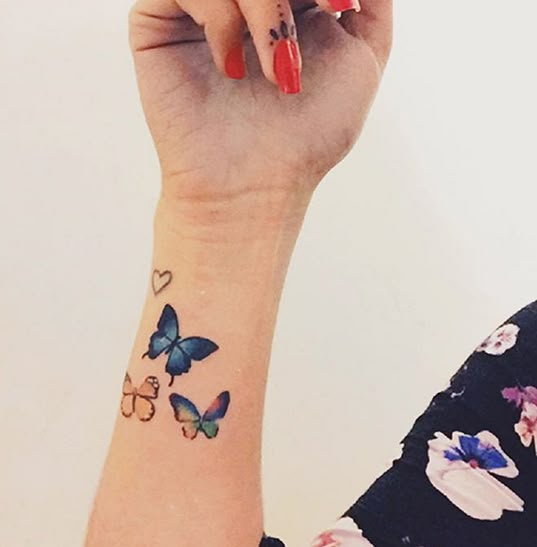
{"x":180,"y":351}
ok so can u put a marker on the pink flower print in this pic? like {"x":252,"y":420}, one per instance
{"x":326,"y":539}
{"x":344,"y":533}
{"x":500,"y":340}
{"x":463,"y":467}
{"x":520,"y":395}
{"x":527,"y":426}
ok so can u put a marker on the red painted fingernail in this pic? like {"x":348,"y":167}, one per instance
{"x":287,"y":66}
{"x":235,"y":66}
{"x":345,"y":5}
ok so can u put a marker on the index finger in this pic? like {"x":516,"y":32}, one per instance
{"x":272,"y":26}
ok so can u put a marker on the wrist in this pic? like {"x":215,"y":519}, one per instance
{"x":222,"y":214}
{"x":245,"y":240}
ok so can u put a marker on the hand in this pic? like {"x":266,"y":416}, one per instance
{"x":218,"y":137}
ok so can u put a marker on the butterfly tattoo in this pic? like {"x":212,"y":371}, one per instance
{"x":139,"y":400}
{"x":193,"y":422}
{"x":180,"y":351}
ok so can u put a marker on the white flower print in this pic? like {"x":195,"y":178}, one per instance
{"x":527,"y":426}
{"x":344,"y":533}
{"x":461,"y":468}
{"x":500,"y":340}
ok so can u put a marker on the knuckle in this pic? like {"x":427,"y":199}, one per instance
{"x":134,"y":20}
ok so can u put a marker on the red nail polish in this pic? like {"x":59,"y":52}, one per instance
{"x":235,"y":66}
{"x":287,"y":66}
{"x":345,"y":5}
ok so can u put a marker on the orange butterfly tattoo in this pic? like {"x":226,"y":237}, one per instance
{"x":139,"y":400}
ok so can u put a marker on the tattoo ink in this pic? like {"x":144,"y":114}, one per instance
{"x":139,"y":400}
{"x":160,"y":281}
{"x":180,"y":351}
{"x":287,"y":60}
{"x":193,"y":422}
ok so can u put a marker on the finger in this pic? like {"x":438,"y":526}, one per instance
{"x":334,"y":6}
{"x":272,"y":26}
{"x":374,"y":24}
{"x":160,"y":23}
{"x":158,"y":8}
{"x":224,"y":29}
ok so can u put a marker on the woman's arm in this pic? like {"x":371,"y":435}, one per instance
{"x":240,"y":163}
{"x":224,"y":283}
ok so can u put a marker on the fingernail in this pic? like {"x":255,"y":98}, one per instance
{"x":287,"y":66}
{"x":235,"y":66}
{"x":345,"y":5}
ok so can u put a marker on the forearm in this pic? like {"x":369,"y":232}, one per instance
{"x":227,"y":262}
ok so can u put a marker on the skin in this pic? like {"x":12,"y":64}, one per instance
{"x":239,"y":161}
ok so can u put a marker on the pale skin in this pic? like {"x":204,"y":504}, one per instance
{"x":240,"y":161}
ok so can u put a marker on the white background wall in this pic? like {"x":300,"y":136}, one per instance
{"x":414,"y":249}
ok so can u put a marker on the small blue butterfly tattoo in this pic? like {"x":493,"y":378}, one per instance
{"x":180,"y":351}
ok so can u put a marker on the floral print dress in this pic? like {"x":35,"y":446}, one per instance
{"x":467,"y":476}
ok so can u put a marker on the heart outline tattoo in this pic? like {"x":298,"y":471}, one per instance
{"x":160,"y":280}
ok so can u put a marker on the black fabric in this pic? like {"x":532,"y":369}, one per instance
{"x":403,"y":508}
{"x":270,"y":542}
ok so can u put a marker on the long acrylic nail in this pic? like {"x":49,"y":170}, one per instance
{"x":345,"y":5}
{"x":287,"y":66}
{"x":235,"y":65}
